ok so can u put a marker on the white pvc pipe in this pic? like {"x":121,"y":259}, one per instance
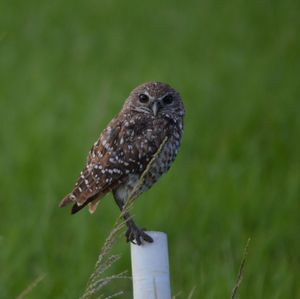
{"x":150,"y":268}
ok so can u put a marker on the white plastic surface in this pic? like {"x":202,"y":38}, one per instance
{"x":150,"y":268}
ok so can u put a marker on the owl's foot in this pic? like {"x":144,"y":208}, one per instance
{"x":136,"y":235}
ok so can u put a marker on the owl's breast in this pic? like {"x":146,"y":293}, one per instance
{"x":140,"y":142}
{"x":162,"y":163}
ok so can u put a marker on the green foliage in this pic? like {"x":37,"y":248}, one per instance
{"x":65,"y":69}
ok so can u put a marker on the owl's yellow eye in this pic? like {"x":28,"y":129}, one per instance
{"x":168,"y":99}
{"x":143,"y":98}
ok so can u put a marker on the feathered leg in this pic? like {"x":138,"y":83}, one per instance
{"x":133,"y":234}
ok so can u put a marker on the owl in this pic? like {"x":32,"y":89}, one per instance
{"x":135,"y":149}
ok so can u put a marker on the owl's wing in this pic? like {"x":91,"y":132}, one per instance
{"x":98,"y":177}
{"x":125,"y":147}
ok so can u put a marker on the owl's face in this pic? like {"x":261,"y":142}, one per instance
{"x":157,"y":99}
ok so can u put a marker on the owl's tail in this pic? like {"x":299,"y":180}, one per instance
{"x":91,"y":201}
{"x":66,"y":200}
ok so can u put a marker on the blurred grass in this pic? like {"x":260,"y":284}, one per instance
{"x":65,"y":69}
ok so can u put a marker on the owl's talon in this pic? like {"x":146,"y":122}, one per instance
{"x":136,"y":235}
{"x":147,"y":238}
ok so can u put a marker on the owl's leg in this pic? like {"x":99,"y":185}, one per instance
{"x":133,"y":234}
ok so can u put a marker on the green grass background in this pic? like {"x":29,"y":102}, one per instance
{"x":65,"y":69}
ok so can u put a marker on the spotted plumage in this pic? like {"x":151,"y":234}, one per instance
{"x":151,"y":119}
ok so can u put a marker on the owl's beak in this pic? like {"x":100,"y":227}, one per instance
{"x":155,"y":107}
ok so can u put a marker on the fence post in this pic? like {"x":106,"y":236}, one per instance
{"x":150,"y":268}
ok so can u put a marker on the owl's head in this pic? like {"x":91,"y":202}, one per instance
{"x":156,"y":98}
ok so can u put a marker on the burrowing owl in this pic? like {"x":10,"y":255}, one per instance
{"x":147,"y":129}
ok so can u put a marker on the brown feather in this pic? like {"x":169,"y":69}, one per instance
{"x":76,"y":208}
